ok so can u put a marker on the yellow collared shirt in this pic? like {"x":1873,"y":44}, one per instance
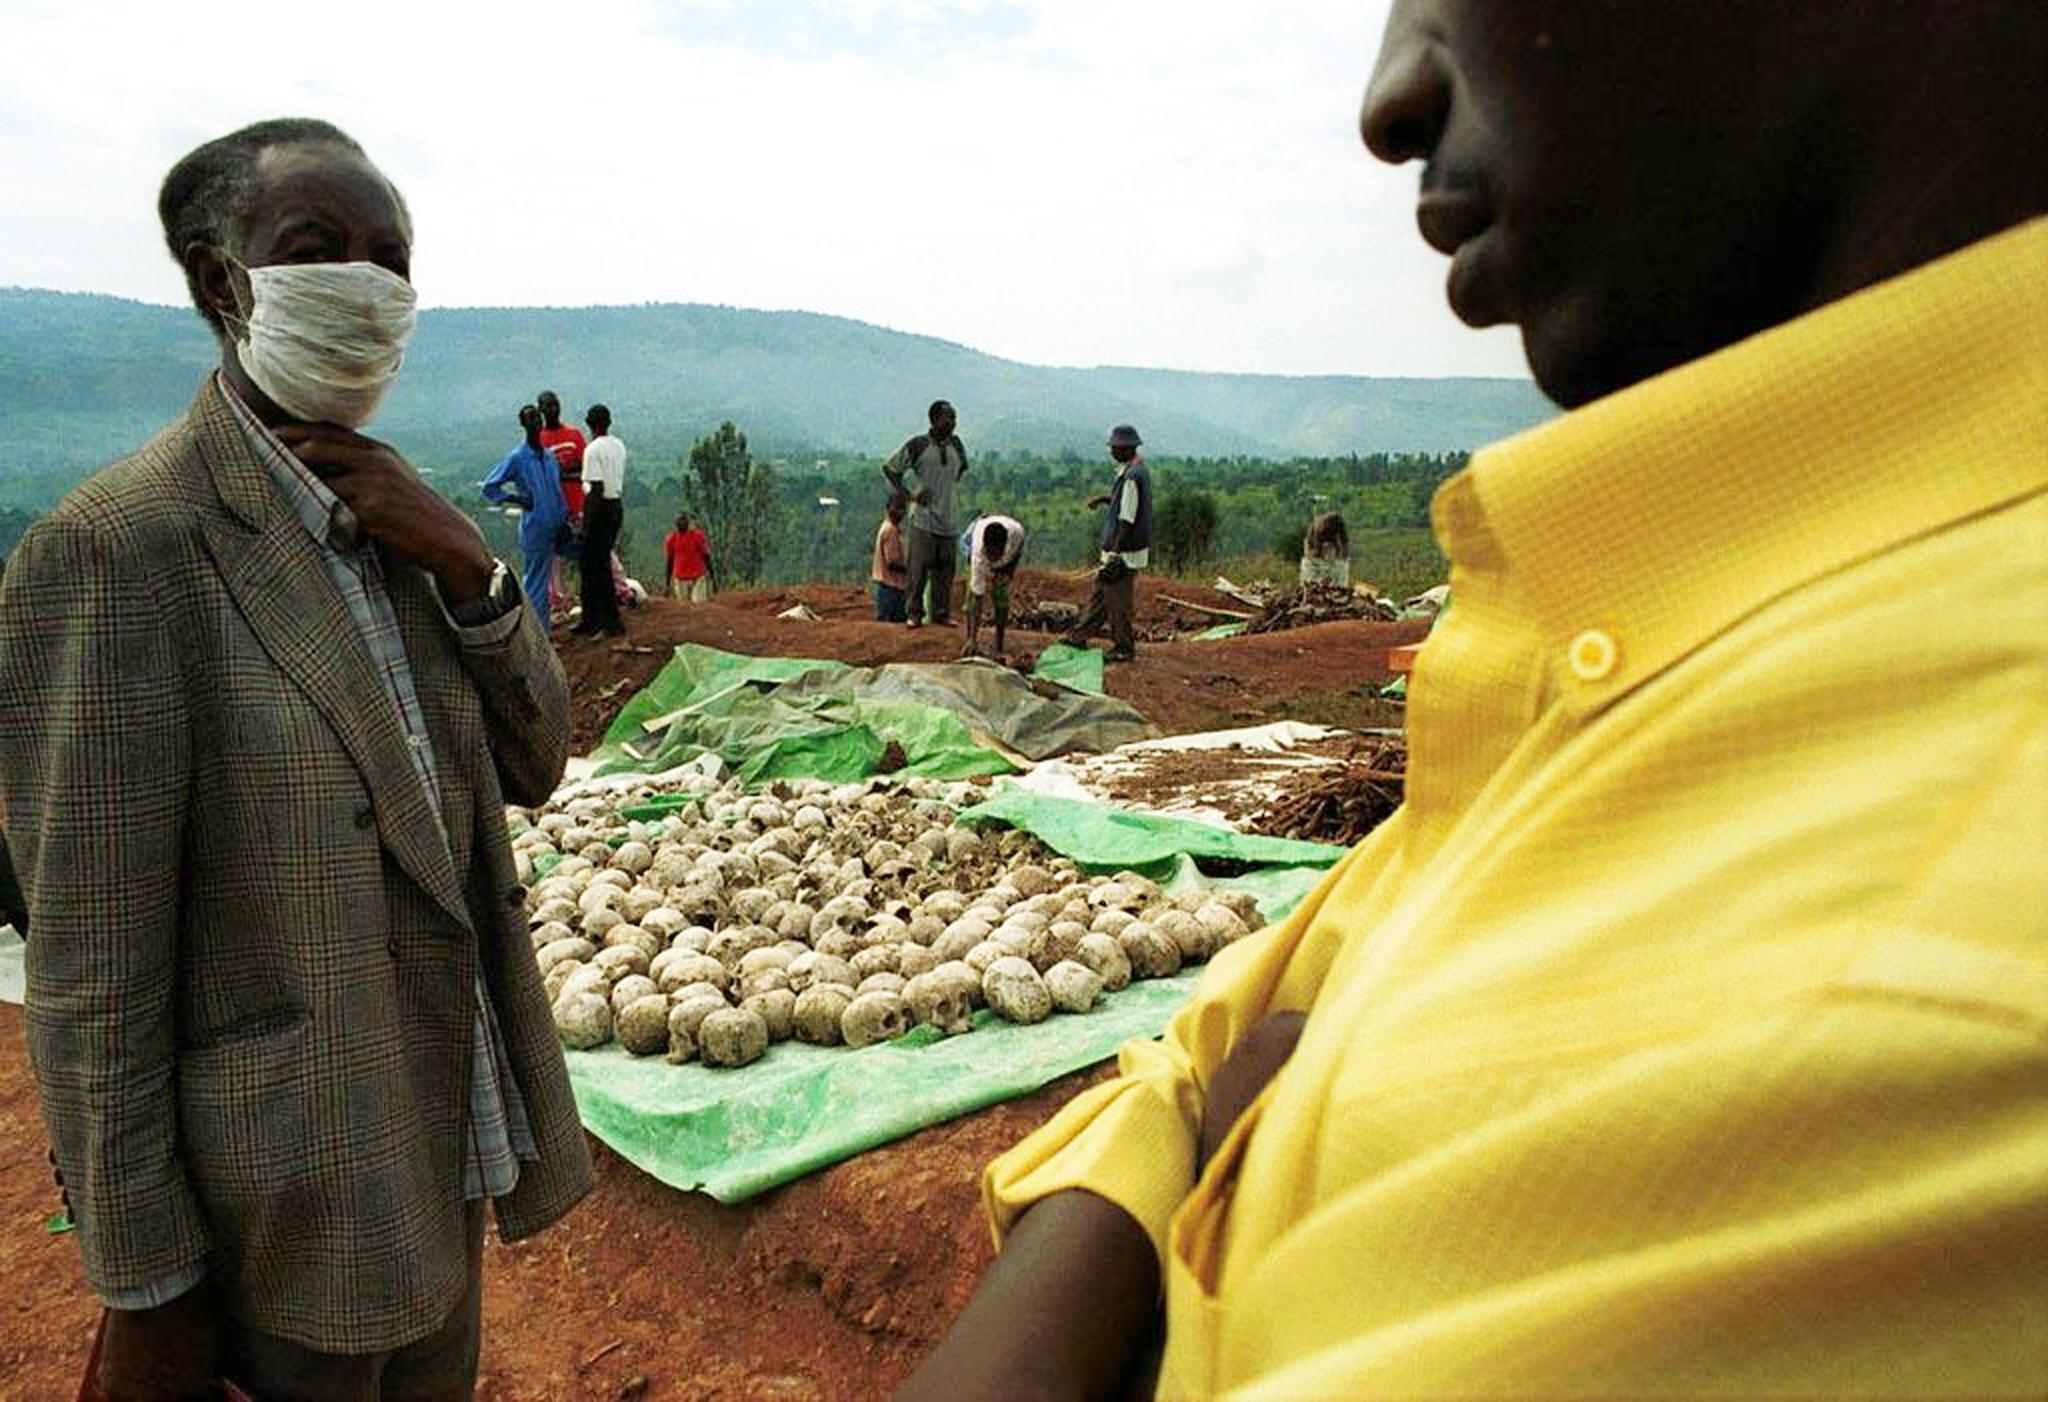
{"x":1687,"y":1030}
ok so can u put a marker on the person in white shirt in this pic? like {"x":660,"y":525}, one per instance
{"x":995,"y":549}
{"x":604,"y":512}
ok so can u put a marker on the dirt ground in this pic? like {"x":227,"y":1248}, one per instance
{"x":1328,"y":672}
{"x":833,"y":1286}
{"x":830,"y":1287}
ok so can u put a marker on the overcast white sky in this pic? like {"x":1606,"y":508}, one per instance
{"x":1075,"y":182}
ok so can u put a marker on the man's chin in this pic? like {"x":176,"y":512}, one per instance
{"x":1472,"y":289}
{"x":1562,"y":369}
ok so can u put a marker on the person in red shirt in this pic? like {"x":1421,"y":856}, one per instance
{"x":689,"y":562}
{"x":565,"y":443}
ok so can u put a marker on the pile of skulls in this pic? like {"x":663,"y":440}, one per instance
{"x":837,"y":915}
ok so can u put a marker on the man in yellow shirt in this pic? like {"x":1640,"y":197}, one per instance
{"x":1687,"y":1030}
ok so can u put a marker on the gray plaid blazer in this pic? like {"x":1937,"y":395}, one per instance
{"x":250,"y":978}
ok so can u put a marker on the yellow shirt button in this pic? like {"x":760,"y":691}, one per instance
{"x":1593,"y":655}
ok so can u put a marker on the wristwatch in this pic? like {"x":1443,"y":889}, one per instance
{"x":499,"y":598}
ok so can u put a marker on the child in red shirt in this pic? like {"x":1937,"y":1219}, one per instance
{"x":689,"y":562}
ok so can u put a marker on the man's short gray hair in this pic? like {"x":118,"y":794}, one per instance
{"x":206,"y":195}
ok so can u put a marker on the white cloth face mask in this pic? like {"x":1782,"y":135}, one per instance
{"x":325,"y":340}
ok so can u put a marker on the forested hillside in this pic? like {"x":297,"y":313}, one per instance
{"x":84,"y":378}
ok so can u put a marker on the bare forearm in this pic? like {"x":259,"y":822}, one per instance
{"x":1254,"y":1061}
{"x":1059,"y":1315}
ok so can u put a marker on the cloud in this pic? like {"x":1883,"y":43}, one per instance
{"x":1065,"y":181}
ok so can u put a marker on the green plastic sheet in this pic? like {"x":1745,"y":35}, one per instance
{"x":1079,"y":668}
{"x":752,"y":715}
{"x":736,"y":1133}
{"x":1029,"y":716}
{"x":772,"y":718}
{"x":1098,"y":836}
{"x":696,"y":672}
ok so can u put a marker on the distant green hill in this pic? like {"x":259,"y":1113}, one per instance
{"x":84,"y":378}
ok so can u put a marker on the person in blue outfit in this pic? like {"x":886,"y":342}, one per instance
{"x":529,"y":479}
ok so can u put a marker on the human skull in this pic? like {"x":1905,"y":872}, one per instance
{"x":874,"y":1017}
{"x":1015,"y":990}
{"x":940,"y":1001}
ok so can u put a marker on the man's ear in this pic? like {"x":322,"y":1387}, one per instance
{"x":224,"y":285}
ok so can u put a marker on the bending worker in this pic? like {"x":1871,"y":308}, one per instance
{"x":995,"y":550}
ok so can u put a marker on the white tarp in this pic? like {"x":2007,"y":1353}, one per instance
{"x":13,"y":983}
{"x":1270,"y":756}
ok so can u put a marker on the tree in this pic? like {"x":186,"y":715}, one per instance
{"x":1185,"y":529}
{"x":733,"y":498}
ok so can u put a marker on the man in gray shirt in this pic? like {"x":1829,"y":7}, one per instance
{"x":927,"y":470}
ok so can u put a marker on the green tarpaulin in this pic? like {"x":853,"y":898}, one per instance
{"x":1077,"y":667}
{"x":695,"y":673}
{"x":736,"y":1133}
{"x":743,"y":710}
{"x":1099,"y":836}
{"x":1029,"y":716}
{"x":775,"y":718}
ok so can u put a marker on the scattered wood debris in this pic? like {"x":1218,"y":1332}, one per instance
{"x":1319,"y":603}
{"x":1340,"y":802}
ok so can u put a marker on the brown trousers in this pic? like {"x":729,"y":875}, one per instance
{"x":1114,"y":601}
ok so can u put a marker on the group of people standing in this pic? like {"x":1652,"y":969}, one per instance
{"x":569,"y":488}
{"x":918,"y":543}
{"x":570,"y":491}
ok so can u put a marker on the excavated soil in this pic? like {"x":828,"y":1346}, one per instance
{"x":833,"y":1286}
{"x":1327,"y":672}
{"x":830,"y":1287}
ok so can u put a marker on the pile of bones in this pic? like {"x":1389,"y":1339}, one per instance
{"x":837,"y":915}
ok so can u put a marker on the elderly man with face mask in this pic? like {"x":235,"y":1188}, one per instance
{"x":263,"y":698}
{"x":1684,"y":1031}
